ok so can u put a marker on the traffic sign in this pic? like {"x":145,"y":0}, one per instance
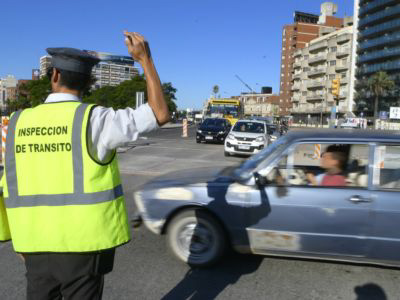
{"x":394,"y":113}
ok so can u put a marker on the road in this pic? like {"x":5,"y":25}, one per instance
{"x":144,"y":269}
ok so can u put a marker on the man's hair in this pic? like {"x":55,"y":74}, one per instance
{"x":341,"y":157}
{"x":72,"y":80}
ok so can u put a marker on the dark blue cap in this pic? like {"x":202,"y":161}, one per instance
{"x":71,"y":59}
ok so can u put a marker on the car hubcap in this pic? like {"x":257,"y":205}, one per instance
{"x":195,"y":239}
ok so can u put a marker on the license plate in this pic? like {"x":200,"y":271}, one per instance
{"x":209,"y":137}
{"x":244,"y":147}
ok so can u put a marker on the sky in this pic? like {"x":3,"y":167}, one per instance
{"x":195,"y":44}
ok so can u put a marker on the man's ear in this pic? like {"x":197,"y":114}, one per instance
{"x":56,"y":76}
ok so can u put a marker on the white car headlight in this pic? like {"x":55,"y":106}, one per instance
{"x":221,"y":132}
{"x":231,"y":137}
{"x":199,"y":131}
{"x":260,"y":139}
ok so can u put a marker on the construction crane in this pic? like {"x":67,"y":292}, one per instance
{"x":245,"y":84}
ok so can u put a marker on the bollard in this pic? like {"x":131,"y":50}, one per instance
{"x":317,"y":151}
{"x":185,"y":128}
{"x":4,"y":126}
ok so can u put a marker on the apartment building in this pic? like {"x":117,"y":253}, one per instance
{"x":305,"y":28}
{"x":7,"y":87}
{"x":315,"y":66}
{"x":260,"y":104}
{"x":111,"y":71}
{"x":378,"y":46}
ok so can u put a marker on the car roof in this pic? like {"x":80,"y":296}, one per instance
{"x":344,"y":134}
{"x":251,"y":121}
{"x":214,"y":119}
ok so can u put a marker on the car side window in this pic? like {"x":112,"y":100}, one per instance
{"x":387,"y":167}
{"x":323,"y":165}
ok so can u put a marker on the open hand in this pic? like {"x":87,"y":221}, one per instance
{"x":137,"y":45}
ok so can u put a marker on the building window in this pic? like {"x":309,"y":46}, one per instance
{"x":306,"y":57}
{"x":333,"y":49}
{"x":343,"y":75}
{"x":332,"y":63}
{"x":332,"y":76}
{"x":304,"y":93}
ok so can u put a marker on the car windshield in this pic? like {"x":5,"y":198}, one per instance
{"x":214,"y":122}
{"x":245,"y":170}
{"x":252,"y":127}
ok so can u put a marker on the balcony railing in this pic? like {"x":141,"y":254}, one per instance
{"x":374,"y":4}
{"x":315,"y":97}
{"x":296,"y":87}
{"x":342,"y":67}
{"x":296,"y":99}
{"x":297,"y":53}
{"x":343,"y":52}
{"x":387,"y":66}
{"x":379,"y":54}
{"x":380,"y":41}
{"x":297,"y":76}
{"x":317,"y":71}
{"x":319,"y":45}
{"x":343,"y":38}
{"x":380,"y":28}
{"x":297,"y":64}
{"x":317,"y":58}
{"x":315,"y":84}
{"x":380,"y":15}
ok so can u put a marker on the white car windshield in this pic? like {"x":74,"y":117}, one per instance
{"x":252,"y":127}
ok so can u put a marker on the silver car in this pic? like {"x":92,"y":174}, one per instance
{"x":273,"y":205}
{"x":246,"y":137}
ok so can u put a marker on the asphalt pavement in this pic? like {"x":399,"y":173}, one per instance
{"x":144,"y":268}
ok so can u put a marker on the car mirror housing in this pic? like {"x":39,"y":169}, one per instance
{"x":260,"y":180}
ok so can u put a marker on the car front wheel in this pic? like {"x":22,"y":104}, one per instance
{"x":196,"y":238}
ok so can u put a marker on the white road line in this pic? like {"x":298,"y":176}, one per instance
{"x":162,"y":147}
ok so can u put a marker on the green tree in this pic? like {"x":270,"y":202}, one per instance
{"x":215,"y":90}
{"x":169,"y":94}
{"x":378,"y":85}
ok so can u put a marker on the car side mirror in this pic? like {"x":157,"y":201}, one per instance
{"x":260,"y":180}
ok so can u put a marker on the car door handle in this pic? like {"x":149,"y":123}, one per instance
{"x":359,"y":199}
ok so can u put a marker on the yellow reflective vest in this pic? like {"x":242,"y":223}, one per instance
{"x":58,"y":198}
{"x":4,"y":228}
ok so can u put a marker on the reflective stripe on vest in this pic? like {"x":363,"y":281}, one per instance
{"x":78,"y":197}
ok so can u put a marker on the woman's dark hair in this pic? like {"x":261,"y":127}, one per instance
{"x":72,"y":80}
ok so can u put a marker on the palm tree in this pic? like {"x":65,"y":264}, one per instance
{"x":379,"y":84}
{"x":215,"y":90}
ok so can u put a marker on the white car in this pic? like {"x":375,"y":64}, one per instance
{"x":246,"y":137}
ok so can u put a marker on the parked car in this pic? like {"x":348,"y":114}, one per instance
{"x":267,"y":206}
{"x":213,"y":130}
{"x":246,"y":137}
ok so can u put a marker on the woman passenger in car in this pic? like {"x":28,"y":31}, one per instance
{"x":334,"y":163}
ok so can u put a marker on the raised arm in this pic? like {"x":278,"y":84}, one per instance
{"x":139,"y":49}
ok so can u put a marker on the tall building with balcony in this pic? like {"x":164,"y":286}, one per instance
{"x":378,"y":48}
{"x":305,"y":28}
{"x":315,"y":66}
{"x":7,"y":89}
{"x":110,"y":72}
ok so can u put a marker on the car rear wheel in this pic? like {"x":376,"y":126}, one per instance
{"x":226,"y":153}
{"x":198,"y":141}
{"x":196,"y":238}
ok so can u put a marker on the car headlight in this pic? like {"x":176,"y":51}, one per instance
{"x":260,"y":139}
{"x":199,"y":131}
{"x":221,"y":132}
{"x":231,"y":137}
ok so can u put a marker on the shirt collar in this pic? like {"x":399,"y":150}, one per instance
{"x":61,"y":97}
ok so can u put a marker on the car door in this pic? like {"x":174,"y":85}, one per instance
{"x":312,"y":220}
{"x":384,"y":241}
